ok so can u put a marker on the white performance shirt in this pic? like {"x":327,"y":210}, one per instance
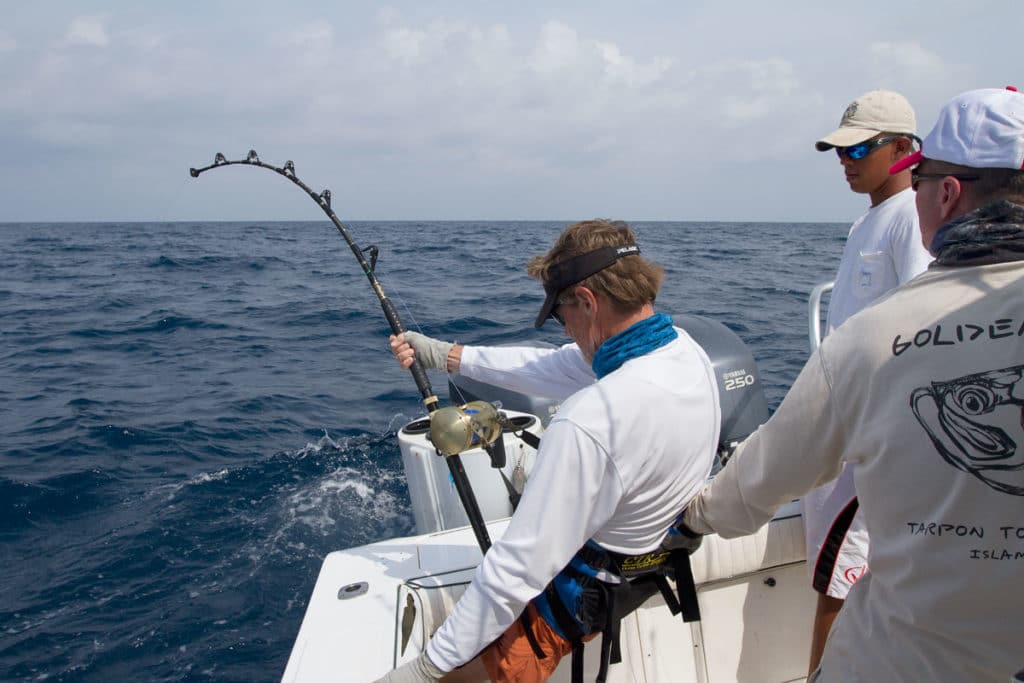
{"x":549,"y":373}
{"x":882,"y":251}
{"x":618,"y":462}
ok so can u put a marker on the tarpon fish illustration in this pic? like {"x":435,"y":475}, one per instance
{"x":977,"y":424}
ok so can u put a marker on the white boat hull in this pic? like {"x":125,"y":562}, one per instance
{"x":754,"y":595}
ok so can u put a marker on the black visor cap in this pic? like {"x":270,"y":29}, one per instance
{"x":577,"y":269}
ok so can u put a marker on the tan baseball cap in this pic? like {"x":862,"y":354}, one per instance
{"x":874,"y":112}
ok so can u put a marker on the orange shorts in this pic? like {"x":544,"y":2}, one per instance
{"x":510,"y":659}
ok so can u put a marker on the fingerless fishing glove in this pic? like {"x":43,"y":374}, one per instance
{"x":432,"y":353}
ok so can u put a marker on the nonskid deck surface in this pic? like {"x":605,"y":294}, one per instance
{"x":376,"y":605}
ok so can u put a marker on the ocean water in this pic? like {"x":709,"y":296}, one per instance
{"x":192,"y":415}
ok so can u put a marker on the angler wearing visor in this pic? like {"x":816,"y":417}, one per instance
{"x":631,"y":444}
{"x":561,"y":276}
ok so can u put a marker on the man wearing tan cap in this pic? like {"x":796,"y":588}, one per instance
{"x":923,"y":393}
{"x":883,"y":250}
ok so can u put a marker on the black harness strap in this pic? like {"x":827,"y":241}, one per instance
{"x":609,"y":637}
{"x":671,"y":601}
{"x":568,"y":624}
{"x":618,"y":599}
{"x":565,"y":620}
{"x":531,"y":637}
{"x":577,"y":661}
{"x":530,"y":439}
{"x":686,"y":586}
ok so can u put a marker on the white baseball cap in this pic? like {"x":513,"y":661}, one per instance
{"x":874,"y":112}
{"x":979,"y":129}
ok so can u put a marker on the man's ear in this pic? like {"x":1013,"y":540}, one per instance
{"x":951,"y":198}
{"x":586,"y":298}
{"x":902,"y":146}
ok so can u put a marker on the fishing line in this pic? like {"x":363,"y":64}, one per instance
{"x":407,"y":311}
{"x":416,"y":326}
{"x":430,"y":401}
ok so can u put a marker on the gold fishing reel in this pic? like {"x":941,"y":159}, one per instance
{"x":455,"y":429}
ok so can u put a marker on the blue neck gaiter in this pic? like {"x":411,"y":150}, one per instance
{"x":636,"y":340}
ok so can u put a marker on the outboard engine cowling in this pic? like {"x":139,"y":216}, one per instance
{"x":740,"y":393}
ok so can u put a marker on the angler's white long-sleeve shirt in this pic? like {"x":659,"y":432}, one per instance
{"x":619,"y":460}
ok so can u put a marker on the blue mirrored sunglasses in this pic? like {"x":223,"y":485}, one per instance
{"x":862,"y":149}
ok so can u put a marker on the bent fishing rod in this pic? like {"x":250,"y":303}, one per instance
{"x":323,"y":200}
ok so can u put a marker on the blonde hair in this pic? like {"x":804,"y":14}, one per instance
{"x":629,"y":283}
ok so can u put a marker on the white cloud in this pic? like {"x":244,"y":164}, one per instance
{"x":756,"y":90}
{"x":418,"y":45}
{"x":87,"y":31}
{"x":404,"y":45}
{"x":558,"y":50}
{"x":388,"y":15}
{"x":313,"y":42}
{"x":550,"y":96}
{"x":7,"y":42}
{"x":503,"y":102}
{"x":619,"y":67}
{"x":907,"y":57}
{"x":472,"y":95}
{"x":316,"y":33}
{"x":926,"y":78}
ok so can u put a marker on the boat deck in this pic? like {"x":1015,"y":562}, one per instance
{"x":375,"y":606}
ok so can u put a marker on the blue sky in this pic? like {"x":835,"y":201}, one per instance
{"x":466,"y":110}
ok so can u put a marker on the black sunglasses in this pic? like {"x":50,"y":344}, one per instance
{"x":862,"y":149}
{"x":556,"y":314}
{"x":916,"y":177}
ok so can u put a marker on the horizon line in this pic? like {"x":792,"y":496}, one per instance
{"x":405,"y":220}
